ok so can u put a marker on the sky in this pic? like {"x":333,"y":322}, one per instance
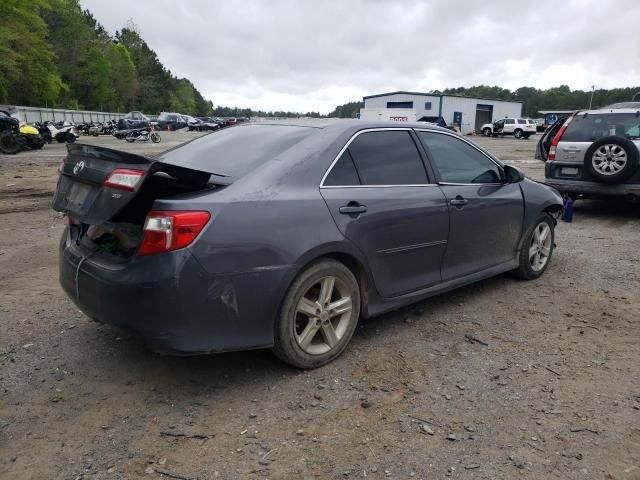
{"x":306,"y":55}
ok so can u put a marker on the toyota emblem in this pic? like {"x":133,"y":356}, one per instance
{"x":78,"y":167}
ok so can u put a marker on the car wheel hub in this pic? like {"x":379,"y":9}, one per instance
{"x":609,"y":159}
{"x":322,"y":316}
{"x":540,"y":248}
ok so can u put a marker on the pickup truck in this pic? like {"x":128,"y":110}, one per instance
{"x":518,"y":127}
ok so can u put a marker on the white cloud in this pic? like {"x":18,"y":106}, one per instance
{"x":305,"y":55}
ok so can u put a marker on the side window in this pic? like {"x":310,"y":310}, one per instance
{"x":522,"y":121}
{"x":427,"y":105}
{"x":459,"y":162}
{"x":387,"y":158}
{"x":509,"y":121}
{"x":343,"y":172}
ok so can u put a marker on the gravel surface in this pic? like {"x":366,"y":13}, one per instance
{"x":502,"y":379}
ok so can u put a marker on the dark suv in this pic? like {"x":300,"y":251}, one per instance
{"x":594,"y":153}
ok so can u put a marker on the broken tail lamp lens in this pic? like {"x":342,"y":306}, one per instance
{"x":124,"y":179}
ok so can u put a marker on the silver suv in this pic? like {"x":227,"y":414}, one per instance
{"x":594,"y":153}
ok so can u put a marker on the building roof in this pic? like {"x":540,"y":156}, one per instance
{"x":439,"y":95}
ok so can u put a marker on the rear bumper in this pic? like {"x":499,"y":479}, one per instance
{"x":585,"y":187}
{"x":172,"y":303}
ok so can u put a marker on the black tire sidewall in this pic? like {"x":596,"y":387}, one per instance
{"x":524,"y":269}
{"x":517,"y":133}
{"x":9,"y":144}
{"x":285,"y":345}
{"x":628,"y":170}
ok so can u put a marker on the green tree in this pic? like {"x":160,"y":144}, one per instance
{"x":28,"y":73}
{"x":124,"y":77}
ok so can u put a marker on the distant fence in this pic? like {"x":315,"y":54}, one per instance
{"x":39,"y":114}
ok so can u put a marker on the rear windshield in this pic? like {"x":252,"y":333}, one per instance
{"x":236,"y":151}
{"x":595,"y":126}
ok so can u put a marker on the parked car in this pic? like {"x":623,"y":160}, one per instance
{"x":594,"y":153}
{"x":209,"y":123}
{"x":518,"y":127}
{"x":132,"y":120}
{"x":170,"y":121}
{"x":231,"y":121}
{"x":193,"y":124}
{"x":262,"y":235}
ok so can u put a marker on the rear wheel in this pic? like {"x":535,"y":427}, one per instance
{"x":486,"y":132}
{"x":517,"y":133}
{"x":130,"y":139}
{"x":70,"y":138}
{"x":318,"y":316}
{"x":536,"y":249}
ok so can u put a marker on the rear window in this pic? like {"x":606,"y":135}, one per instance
{"x":594,"y":126}
{"x":234,"y":152}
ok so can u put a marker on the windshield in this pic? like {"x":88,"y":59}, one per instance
{"x":234,"y":152}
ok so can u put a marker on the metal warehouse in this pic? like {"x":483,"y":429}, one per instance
{"x":468,"y":113}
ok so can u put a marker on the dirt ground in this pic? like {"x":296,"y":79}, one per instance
{"x":503,"y":379}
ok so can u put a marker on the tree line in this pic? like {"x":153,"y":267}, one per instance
{"x":533,"y":99}
{"x":55,"y":54}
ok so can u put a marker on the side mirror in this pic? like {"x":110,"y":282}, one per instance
{"x":513,"y":174}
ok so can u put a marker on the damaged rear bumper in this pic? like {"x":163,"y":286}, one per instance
{"x":172,"y":302}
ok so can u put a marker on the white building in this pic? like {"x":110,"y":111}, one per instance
{"x":469,"y":113}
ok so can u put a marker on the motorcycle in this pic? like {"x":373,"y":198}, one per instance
{"x":64,"y":132}
{"x":15,"y":138}
{"x":142,"y":135}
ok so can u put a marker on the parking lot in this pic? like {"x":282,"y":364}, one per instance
{"x":500,"y":379}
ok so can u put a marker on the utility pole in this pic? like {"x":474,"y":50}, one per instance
{"x":593,"y":87}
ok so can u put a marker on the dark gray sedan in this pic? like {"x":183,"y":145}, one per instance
{"x":283,"y":235}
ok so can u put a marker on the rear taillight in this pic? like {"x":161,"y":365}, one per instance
{"x":124,"y":179}
{"x":556,"y":139}
{"x":170,"y":230}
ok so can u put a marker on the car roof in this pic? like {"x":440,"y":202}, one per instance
{"x":348,"y":124}
{"x":609,"y":109}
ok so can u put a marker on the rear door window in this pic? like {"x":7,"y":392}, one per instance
{"x":522,"y":122}
{"x":387,"y":158}
{"x":343,"y":173}
{"x":595,"y":126}
{"x":457,"y":161}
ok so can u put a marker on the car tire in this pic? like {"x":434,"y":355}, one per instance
{"x":537,"y":249}
{"x":611,"y":159}
{"x":517,"y":133}
{"x":305,"y":340}
{"x":486,"y":132}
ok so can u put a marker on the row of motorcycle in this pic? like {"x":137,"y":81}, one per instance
{"x":135,"y":131}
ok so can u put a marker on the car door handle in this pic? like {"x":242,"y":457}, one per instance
{"x":353,"y":209}
{"x":459,"y":201}
{"x":571,"y":149}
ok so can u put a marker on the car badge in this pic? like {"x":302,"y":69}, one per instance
{"x":78,"y":167}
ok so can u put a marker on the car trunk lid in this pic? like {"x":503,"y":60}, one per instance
{"x":96,"y":184}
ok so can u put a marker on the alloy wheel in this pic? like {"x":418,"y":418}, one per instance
{"x":540,"y":248}
{"x":323,"y":315}
{"x":609,"y":159}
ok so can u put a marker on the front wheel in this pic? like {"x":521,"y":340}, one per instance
{"x":486,"y":132}
{"x":155,"y":137}
{"x":536,"y":249}
{"x":130,"y":139}
{"x":319,"y":314}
